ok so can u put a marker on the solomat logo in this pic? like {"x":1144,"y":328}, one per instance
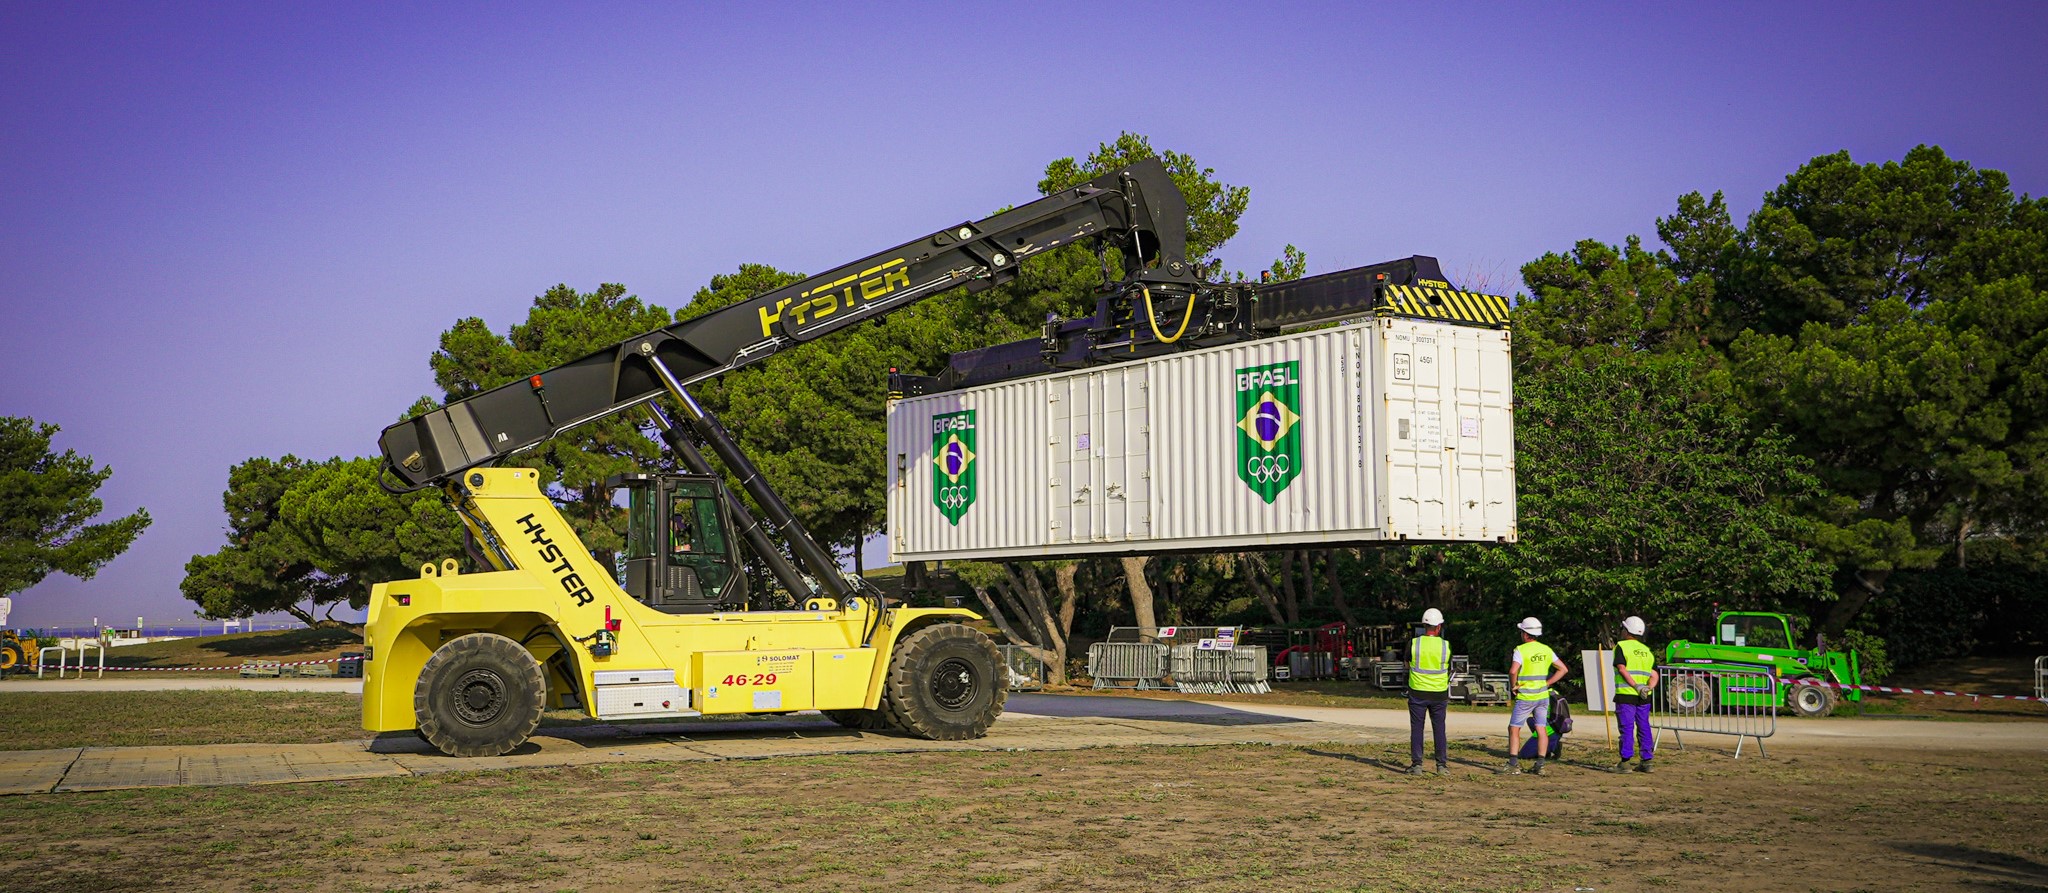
{"x":1268,"y":429}
{"x":953,"y":463}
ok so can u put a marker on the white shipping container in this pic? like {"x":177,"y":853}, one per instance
{"x":1392,"y":429}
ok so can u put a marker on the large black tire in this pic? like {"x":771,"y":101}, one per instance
{"x":864,"y":720}
{"x":480,"y":695}
{"x":1689,"y":695}
{"x":1811,"y":701}
{"x":946,"y":683}
{"x":12,"y":657}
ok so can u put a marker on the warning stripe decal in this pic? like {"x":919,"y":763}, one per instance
{"x":1431,"y":302}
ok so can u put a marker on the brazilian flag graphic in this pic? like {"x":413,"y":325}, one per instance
{"x":1268,"y":427}
{"x":953,"y":463}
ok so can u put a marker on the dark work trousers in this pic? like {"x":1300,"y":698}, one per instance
{"x":1435,"y":710}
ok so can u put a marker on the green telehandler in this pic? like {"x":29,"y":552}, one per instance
{"x":1759,"y":643}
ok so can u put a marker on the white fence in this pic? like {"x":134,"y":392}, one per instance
{"x":1710,"y":702}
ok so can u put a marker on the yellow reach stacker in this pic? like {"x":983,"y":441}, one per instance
{"x":471,"y":659}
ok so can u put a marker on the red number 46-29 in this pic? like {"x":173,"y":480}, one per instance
{"x":744,"y":679}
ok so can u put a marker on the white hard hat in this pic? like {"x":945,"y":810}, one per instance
{"x":1634,"y":626}
{"x":1530,"y":625}
{"x":1433,"y":617}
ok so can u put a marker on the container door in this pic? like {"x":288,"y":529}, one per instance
{"x":1117,"y":448}
{"x":1419,"y":490}
{"x":1075,"y":487}
{"x":1479,"y":387}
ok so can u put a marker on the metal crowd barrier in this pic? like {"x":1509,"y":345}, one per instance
{"x":1143,"y":664}
{"x":2041,"y":677}
{"x":1712,"y":702}
{"x":1241,"y":670}
{"x":1026,"y":670}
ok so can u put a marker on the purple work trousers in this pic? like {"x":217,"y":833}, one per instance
{"x":1635,"y":731}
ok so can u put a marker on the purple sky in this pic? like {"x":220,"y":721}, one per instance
{"x":236,"y":230}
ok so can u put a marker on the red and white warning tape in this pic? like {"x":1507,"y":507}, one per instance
{"x":1919,"y":691}
{"x":262,"y":666}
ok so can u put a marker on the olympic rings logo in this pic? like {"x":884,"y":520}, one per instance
{"x":1266,"y":469}
{"x":954,"y":497}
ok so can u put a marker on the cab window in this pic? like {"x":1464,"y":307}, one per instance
{"x":1759,"y":632}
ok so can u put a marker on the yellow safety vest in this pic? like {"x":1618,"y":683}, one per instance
{"x":1632,"y":664}
{"x":1533,"y":682}
{"x":1429,"y":664}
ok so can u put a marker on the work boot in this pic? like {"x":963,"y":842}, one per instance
{"x":1415,"y":769}
{"x":1537,"y":769}
{"x":1621,"y":766}
{"x":1514,"y":767}
{"x":1643,"y":766}
{"x":1443,"y":769}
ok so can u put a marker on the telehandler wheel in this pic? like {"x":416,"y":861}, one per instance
{"x":1690,"y":695}
{"x":479,"y":696}
{"x":1810,"y":700}
{"x":945,"y":683}
{"x":864,"y":720}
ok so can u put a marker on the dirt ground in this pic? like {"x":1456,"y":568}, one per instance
{"x":1201,"y":818}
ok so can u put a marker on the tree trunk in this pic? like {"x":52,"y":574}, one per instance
{"x":1868,"y":585}
{"x":1254,"y":569}
{"x":1308,"y":578}
{"x":1031,"y":591}
{"x":1337,"y":589}
{"x":1962,"y":540}
{"x":1141,"y":591}
{"x":1287,"y":597}
{"x":1070,"y":598}
{"x":1012,"y":592}
{"x":1033,"y":595}
{"x":995,"y":615}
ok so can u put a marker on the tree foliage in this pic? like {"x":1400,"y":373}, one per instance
{"x":561,"y":325}
{"x":47,"y":505}
{"x":1887,"y":318}
{"x":303,"y":536}
{"x":1642,"y":492}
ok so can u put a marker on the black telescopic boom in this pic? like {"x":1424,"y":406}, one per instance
{"x":1138,"y":209}
{"x":750,"y":527}
{"x":708,"y":429}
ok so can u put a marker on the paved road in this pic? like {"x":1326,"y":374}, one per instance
{"x":168,"y":682}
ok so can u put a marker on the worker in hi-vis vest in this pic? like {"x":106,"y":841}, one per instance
{"x":1429,"y":689}
{"x":1531,"y":666}
{"x":1635,"y":678}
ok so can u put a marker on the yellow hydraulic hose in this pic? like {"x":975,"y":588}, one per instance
{"x":1153,"y":319}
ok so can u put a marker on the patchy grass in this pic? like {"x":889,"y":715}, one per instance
{"x":37,"y":720}
{"x":1323,"y":818}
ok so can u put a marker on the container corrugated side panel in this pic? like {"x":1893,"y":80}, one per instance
{"x":1197,"y":494}
{"x":1011,"y":475}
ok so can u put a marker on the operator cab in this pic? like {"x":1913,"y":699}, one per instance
{"x":680,"y":555}
{"x":1754,"y":630}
